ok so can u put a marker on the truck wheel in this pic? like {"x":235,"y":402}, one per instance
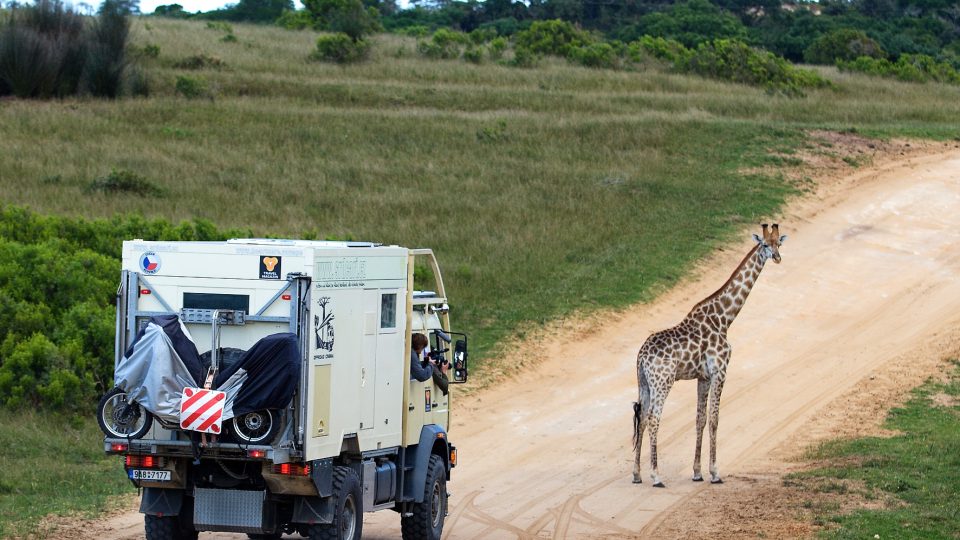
{"x":426,"y":523}
{"x":257,"y":427}
{"x":120,"y":418}
{"x":348,"y":509}
{"x":167,"y":528}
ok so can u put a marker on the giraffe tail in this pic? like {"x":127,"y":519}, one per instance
{"x":637,"y":412}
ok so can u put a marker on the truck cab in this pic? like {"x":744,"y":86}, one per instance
{"x":263,"y":387}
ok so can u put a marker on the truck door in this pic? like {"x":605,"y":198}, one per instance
{"x":368,"y":357}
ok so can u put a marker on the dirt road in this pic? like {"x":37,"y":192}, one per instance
{"x":869,"y":272}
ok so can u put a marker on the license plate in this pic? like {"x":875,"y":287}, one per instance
{"x":151,"y":476}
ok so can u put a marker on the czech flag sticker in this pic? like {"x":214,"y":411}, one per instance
{"x":150,"y":263}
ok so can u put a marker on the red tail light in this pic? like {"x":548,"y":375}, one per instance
{"x":292,"y":469}
{"x":142,"y":461}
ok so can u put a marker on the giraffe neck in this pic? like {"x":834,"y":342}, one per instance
{"x":722,"y":307}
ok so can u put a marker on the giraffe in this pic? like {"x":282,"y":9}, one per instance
{"x":697,"y":348}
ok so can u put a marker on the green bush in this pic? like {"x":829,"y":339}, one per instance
{"x":909,"y":67}
{"x":734,"y":60}
{"x":341,"y":49}
{"x":416,"y":30}
{"x":300,"y":19}
{"x":595,"y":55}
{"x":523,"y":58}
{"x":229,"y":38}
{"x":48,"y":50}
{"x":191,"y":87}
{"x":480,"y":36}
{"x":553,"y":37}
{"x":124,"y":181}
{"x":474,"y":54}
{"x":691,"y":22}
{"x":497,"y":47}
{"x":666,"y":50}
{"x":57,"y":315}
{"x":844,"y":44}
{"x":443,"y":44}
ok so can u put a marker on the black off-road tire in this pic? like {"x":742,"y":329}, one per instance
{"x":348,"y":509}
{"x":167,"y":528}
{"x":426,"y":523}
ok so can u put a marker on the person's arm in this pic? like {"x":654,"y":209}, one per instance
{"x":440,"y":378}
{"x":417,"y":370}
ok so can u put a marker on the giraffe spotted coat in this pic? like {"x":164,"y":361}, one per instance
{"x":696,"y":348}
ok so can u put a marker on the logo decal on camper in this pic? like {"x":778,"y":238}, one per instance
{"x":323,"y":325}
{"x":269,"y":267}
{"x":150,"y":263}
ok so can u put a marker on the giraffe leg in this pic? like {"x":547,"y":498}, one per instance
{"x":703,"y":390}
{"x":716,"y":387}
{"x":653,"y":421}
{"x":641,"y":410}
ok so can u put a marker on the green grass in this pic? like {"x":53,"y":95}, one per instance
{"x":50,"y":464}
{"x":543,"y":190}
{"x":920,"y":468}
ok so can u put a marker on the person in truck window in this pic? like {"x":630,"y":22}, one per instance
{"x":418,"y":369}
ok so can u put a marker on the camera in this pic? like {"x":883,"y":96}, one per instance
{"x":437,"y":356}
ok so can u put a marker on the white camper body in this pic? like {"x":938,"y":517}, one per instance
{"x":355,"y":414}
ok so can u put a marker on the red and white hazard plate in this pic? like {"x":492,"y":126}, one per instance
{"x":202,"y":410}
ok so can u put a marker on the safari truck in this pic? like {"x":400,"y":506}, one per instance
{"x":263,"y":387}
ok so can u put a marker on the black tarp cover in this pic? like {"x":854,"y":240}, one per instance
{"x":266,"y":376}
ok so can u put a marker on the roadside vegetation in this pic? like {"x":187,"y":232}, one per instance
{"x":544,"y":191}
{"x":916,"y":471}
{"x":54,"y":465}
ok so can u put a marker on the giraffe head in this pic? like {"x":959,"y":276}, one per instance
{"x":770,"y":242}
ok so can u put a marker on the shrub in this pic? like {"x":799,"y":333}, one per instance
{"x":497,"y":47}
{"x":480,"y":36}
{"x":300,"y":19}
{"x":43,"y":49}
{"x":416,"y":30}
{"x":57,"y":321}
{"x":909,"y":68}
{"x":444,"y":44}
{"x":350,"y":17}
{"x":190,"y":87}
{"x":339,"y":48}
{"x":473,"y":54}
{"x":595,"y":55}
{"x":124,"y":181}
{"x":734,"y":60}
{"x":843,"y":44}
{"x":150,"y":50}
{"x":523,"y":58}
{"x":667,"y":50}
{"x":691,"y":22}
{"x":553,"y":37}
{"x":200,"y":61}
{"x":229,"y":38}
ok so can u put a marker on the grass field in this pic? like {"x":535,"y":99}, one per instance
{"x":53,"y":465}
{"x":543,"y":191}
{"x":919,"y":469}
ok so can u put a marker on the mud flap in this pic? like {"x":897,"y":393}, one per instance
{"x":161,"y":502}
{"x":312,"y":510}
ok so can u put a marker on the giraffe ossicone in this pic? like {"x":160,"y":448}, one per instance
{"x":696,"y":348}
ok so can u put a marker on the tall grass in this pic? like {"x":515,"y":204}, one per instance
{"x":543,"y":190}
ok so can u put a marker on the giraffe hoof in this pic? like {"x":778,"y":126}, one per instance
{"x":698,"y":478}
{"x":636,"y":481}
{"x":717,"y":481}
{"x":659,"y":484}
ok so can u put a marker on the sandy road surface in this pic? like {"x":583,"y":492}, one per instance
{"x":869,"y":271}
